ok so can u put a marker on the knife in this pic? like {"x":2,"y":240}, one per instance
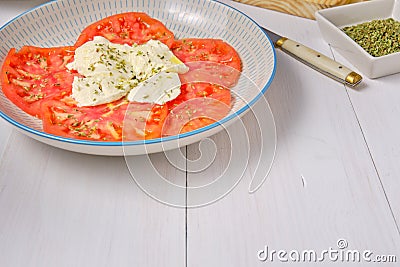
{"x":315,"y":60}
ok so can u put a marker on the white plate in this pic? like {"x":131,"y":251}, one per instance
{"x":59,"y":23}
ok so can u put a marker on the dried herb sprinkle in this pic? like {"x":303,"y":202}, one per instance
{"x":377,"y":37}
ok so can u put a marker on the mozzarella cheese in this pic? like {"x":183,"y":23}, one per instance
{"x":110,"y":71}
{"x":159,"y":89}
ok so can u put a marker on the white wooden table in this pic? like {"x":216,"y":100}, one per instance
{"x":336,"y":175}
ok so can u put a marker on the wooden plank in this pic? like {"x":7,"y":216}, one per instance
{"x":60,"y":208}
{"x":302,"y":8}
{"x":11,"y":9}
{"x":377,"y":106}
{"x":323,"y":185}
{"x":4,"y":135}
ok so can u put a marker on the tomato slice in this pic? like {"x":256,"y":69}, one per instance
{"x":35,"y":74}
{"x":127,"y":28}
{"x":205,"y":98}
{"x":211,"y":50}
{"x":198,"y":105}
{"x":99,"y":123}
{"x":209,"y":60}
{"x":144,"y":121}
{"x":106,"y":122}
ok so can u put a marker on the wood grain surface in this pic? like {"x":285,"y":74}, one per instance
{"x":335,"y":176}
{"x":302,"y":8}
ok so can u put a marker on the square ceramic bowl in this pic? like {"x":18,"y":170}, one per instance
{"x":332,"y":20}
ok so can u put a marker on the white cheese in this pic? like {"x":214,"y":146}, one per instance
{"x":110,"y":71}
{"x":159,"y":89}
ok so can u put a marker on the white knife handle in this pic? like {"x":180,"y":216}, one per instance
{"x":319,"y":62}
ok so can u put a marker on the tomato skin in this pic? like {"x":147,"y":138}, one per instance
{"x":201,"y":90}
{"x":144,"y":121}
{"x":116,"y":121}
{"x":210,"y":50}
{"x":215,"y":67}
{"x":209,"y":60}
{"x":198,"y":105}
{"x":99,"y":123}
{"x":127,"y":28}
{"x":33,"y":75}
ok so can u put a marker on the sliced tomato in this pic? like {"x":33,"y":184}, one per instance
{"x":211,"y":50}
{"x":209,"y":60}
{"x":201,"y":90}
{"x":144,"y":121}
{"x":205,"y":96}
{"x":34,"y":74}
{"x":99,"y":123}
{"x":127,"y":28}
{"x":106,"y":122}
{"x":199,"y":105}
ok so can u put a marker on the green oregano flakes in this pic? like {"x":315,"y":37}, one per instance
{"x":377,"y":37}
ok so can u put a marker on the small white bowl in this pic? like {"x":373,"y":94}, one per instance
{"x":332,"y":20}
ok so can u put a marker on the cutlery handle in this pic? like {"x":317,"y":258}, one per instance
{"x":319,"y":62}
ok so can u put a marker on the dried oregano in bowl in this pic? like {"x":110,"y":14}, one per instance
{"x":377,"y":37}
